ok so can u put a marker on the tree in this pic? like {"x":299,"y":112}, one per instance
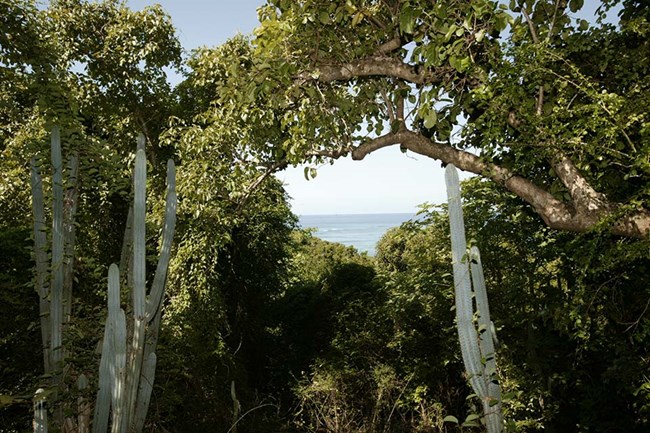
{"x":553,"y":108}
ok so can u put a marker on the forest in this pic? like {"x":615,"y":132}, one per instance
{"x":154,"y":278}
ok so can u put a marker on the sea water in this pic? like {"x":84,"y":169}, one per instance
{"x":361,"y":231}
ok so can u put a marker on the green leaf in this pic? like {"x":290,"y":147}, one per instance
{"x":356,"y":19}
{"x":431,"y":119}
{"x":407,"y":20}
{"x":450,"y":418}
{"x":576,"y":5}
{"x":324,"y":17}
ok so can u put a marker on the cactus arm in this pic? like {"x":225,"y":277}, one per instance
{"x":119,"y":386}
{"x":492,"y":401}
{"x":69,"y":213}
{"x":56,"y":305}
{"x":139,"y":289}
{"x":83,"y":405}
{"x":144,"y":391}
{"x":462,"y":286}
{"x":103,"y":401}
{"x":154,"y":299}
{"x":40,"y":411}
{"x":117,"y":320}
{"x":126,"y":257}
{"x":139,"y":234}
{"x":40,"y":256}
{"x":486,"y":342}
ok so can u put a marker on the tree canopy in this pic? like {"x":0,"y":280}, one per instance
{"x":545,"y":103}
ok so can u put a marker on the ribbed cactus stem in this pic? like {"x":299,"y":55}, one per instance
{"x":467,"y":334}
{"x":40,"y":412}
{"x":40,"y":256}
{"x":477,"y":348}
{"x":154,"y":299}
{"x":144,"y":391}
{"x":139,"y":234}
{"x":56,"y":296}
{"x":492,"y":401}
{"x":83,"y":406}
{"x":139,"y":288}
{"x":69,"y":229}
{"x":117,"y":369}
{"x":103,"y":402}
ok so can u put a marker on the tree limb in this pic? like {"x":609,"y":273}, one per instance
{"x":261,"y":178}
{"x":533,"y":33}
{"x":583,"y":213}
{"x":389,"y":105}
{"x":390,"y":46}
{"x":379,"y":65}
{"x":582,"y":194}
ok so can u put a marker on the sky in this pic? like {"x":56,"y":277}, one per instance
{"x":386,"y":181}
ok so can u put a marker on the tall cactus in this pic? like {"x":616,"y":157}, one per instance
{"x":477,"y":346}
{"x":53,"y":282}
{"x":130,"y":375}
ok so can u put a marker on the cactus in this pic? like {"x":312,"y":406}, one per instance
{"x":40,"y":256}
{"x":53,"y":283}
{"x":129,"y":376}
{"x":477,"y":346}
{"x":103,"y":402}
{"x":56,"y":295}
{"x":56,"y":300}
{"x":126,"y":372}
{"x":40,"y":411}
{"x":71,"y":198}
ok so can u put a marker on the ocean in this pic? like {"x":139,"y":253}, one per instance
{"x":361,"y":231}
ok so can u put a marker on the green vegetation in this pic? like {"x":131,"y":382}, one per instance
{"x":265,"y":328}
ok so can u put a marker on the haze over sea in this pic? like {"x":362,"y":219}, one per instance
{"x":361,"y":231}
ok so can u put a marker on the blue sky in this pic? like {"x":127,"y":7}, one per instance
{"x":386,"y":181}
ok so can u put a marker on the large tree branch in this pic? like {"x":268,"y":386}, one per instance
{"x":581,"y":192}
{"x":382,"y":66}
{"x":390,"y":46}
{"x":583,"y":213}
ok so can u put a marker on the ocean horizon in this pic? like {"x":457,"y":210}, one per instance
{"x":361,"y":231}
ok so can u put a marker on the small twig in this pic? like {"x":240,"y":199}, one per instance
{"x":390,"y":415}
{"x":389,"y":106}
{"x":400,"y":112}
{"x":533,"y":33}
{"x":550,"y":28}
{"x":636,"y":322}
{"x":246,"y":413}
{"x":275,"y":167}
{"x":597,"y":291}
{"x":531,"y":26}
